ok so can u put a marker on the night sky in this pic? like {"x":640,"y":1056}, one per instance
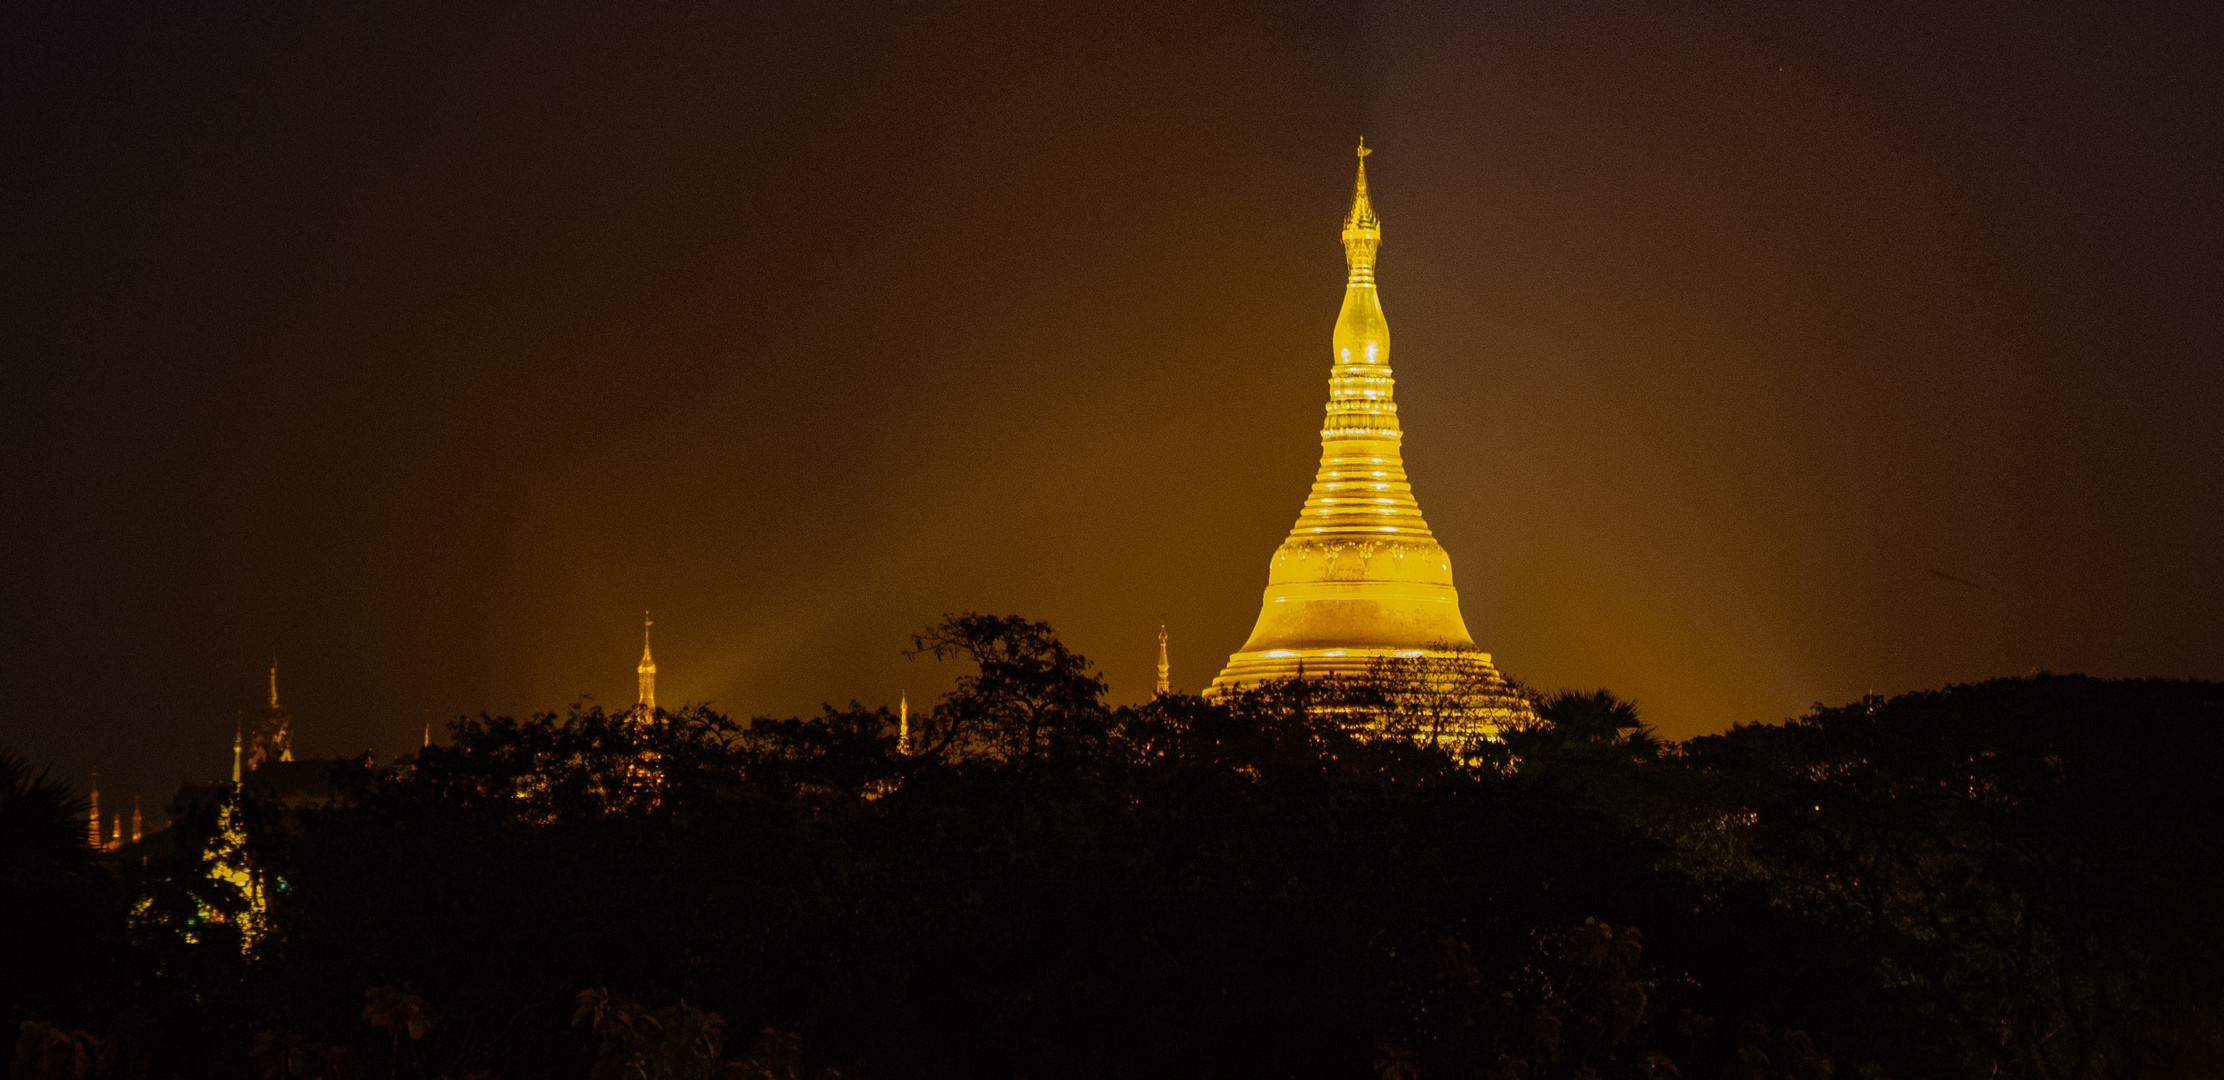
{"x":1750,"y":355}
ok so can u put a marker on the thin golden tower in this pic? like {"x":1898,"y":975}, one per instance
{"x":647,"y":704}
{"x":645,"y":774}
{"x":1165,"y":686}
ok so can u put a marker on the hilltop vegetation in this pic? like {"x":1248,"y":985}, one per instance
{"x":2014,"y":878}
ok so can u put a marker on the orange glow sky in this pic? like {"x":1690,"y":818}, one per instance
{"x":1749,"y":358}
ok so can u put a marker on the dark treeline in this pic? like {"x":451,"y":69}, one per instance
{"x":2017,"y":878}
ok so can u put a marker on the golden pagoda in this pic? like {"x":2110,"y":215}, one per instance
{"x":228,"y":855}
{"x":1360,"y":581}
{"x":271,"y":737}
{"x":645,"y":773}
{"x":1165,"y":685}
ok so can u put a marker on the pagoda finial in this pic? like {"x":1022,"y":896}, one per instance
{"x":93,"y":835}
{"x":1362,"y":229}
{"x":903,"y":722}
{"x":239,"y":727}
{"x":274,"y":682}
{"x":647,"y":670}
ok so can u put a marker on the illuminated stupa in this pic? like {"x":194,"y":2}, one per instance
{"x":1360,"y":577}
{"x":271,"y":737}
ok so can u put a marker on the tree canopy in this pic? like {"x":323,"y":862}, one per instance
{"x":2003,"y":879}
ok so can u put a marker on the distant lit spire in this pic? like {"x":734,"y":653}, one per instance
{"x":272,"y":737}
{"x":1163,"y":685}
{"x":92,"y":833}
{"x":135,"y":819}
{"x":647,"y":704}
{"x":903,"y":722}
{"x":237,"y":732}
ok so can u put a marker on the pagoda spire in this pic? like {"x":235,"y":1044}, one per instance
{"x":903,"y":722}
{"x":237,"y":732}
{"x":92,"y":833}
{"x":1362,"y":229}
{"x":271,"y":737}
{"x":647,"y":671}
{"x":1164,"y":686}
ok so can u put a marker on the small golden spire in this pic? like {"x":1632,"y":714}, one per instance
{"x":903,"y":722}
{"x":1164,"y":686}
{"x":237,"y":729}
{"x":94,"y":832}
{"x":135,"y":818}
{"x":273,"y":682}
{"x":647,"y":670}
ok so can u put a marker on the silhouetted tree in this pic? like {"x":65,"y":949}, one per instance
{"x":2008,"y":879}
{"x":2020,"y":867}
{"x":1028,"y":696}
{"x":1575,"y":725}
{"x":1447,"y":695}
{"x":62,"y":936}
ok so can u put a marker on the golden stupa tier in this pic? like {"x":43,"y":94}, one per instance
{"x":1360,"y":576}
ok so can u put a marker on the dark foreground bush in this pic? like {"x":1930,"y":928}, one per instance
{"x":2008,"y":879}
